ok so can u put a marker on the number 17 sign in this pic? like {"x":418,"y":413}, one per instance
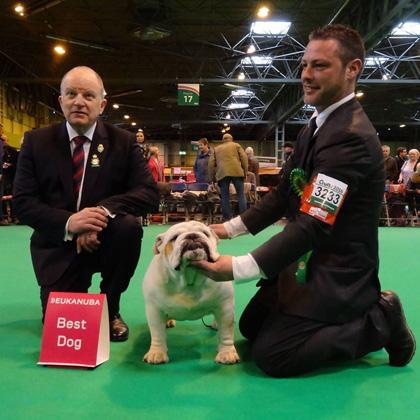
{"x":188,"y":94}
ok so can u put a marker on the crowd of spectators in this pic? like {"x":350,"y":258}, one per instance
{"x":402,"y":184}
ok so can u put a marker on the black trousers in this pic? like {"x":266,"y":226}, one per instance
{"x":116,"y":260}
{"x":286,"y":345}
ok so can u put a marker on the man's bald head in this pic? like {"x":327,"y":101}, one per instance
{"x":83,"y":70}
{"x":227,"y":137}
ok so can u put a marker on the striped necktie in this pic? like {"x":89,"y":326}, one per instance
{"x":78,"y":163}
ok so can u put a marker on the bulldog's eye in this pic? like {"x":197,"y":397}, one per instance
{"x":174,"y":238}
{"x":207,"y":234}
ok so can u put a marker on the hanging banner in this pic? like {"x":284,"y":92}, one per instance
{"x":76,"y":330}
{"x":188,"y":94}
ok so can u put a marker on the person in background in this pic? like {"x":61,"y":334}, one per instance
{"x":155,"y":165}
{"x":3,"y":222}
{"x":253,"y":164}
{"x":288,"y":149}
{"x":409,"y":166}
{"x":81,"y":185}
{"x":201,"y":164}
{"x":400,"y":157}
{"x":320,"y":297}
{"x":229,"y":164}
{"x":391,"y":167}
{"x":141,"y":140}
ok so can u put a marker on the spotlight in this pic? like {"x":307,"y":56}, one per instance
{"x":19,"y":9}
{"x":263,"y":12}
{"x":59,"y":50}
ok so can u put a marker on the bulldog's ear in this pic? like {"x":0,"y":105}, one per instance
{"x":158,"y":243}
{"x":214,"y":236}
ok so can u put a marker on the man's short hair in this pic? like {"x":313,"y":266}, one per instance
{"x":227,"y":136}
{"x":289,"y":144}
{"x":401,"y":149}
{"x":350,"y":40}
{"x":385,"y":145}
{"x":204,"y":141}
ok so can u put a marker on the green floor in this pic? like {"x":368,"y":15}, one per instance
{"x":192,"y":386}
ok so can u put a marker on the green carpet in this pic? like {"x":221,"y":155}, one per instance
{"x":192,"y":386}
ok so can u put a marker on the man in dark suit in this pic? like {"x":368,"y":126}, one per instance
{"x":81,"y":185}
{"x":320,"y":297}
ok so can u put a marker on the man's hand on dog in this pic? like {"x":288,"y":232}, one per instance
{"x":221,"y":270}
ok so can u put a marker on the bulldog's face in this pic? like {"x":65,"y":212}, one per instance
{"x":187,"y":241}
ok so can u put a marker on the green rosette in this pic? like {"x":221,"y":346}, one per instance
{"x":298,"y":180}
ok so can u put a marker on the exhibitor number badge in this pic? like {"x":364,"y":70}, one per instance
{"x":323,"y":197}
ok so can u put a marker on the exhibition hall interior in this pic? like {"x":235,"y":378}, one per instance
{"x":199,"y":112}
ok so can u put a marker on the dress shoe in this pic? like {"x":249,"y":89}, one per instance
{"x":118,"y":329}
{"x":402,"y":344}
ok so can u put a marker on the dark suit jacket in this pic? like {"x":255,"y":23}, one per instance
{"x":342,"y":274}
{"x":43,"y":190}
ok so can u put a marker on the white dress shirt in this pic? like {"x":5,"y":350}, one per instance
{"x":86,"y":148}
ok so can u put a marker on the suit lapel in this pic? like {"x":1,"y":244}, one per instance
{"x":64,"y":161}
{"x":306,"y":145}
{"x":98,"y":153}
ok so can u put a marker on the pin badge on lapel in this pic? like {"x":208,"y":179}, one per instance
{"x":94,"y":163}
{"x":100,"y":148}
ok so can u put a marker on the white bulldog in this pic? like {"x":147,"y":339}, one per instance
{"x":174,"y":290}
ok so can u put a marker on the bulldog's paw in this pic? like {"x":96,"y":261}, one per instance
{"x":156,"y":357}
{"x":170,"y":323}
{"x":227,"y":356}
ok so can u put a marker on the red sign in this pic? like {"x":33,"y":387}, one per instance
{"x":76,"y":330}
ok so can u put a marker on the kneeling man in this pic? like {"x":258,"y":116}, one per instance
{"x":81,"y":185}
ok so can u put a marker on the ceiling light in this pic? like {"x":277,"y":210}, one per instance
{"x":375,"y":61}
{"x":402,"y":125}
{"x":263,"y":12}
{"x":19,"y":9}
{"x":133,"y":123}
{"x":223,"y":130}
{"x":251,"y":49}
{"x":115,"y":106}
{"x":389,"y":128}
{"x":359,"y":94}
{"x":60,"y":50}
{"x":385,"y":77}
{"x":225,"y":125}
{"x":228,"y":116}
{"x":407,"y":29}
{"x":243,"y":93}
{"x":237,"y":105}
{"x":241,"y":76}
{"x":270,"y":28}
{"x":126,"y":117}
{"x":257,"y":60}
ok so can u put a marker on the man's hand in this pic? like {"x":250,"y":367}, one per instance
{"x":220,"y":231}
{"x":221,"y":270}
{"x":87,"y":241}
{"x":88,"y":219}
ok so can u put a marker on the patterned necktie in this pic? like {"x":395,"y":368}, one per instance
{"x":311,"y":129}
{"x":78,"y":163}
